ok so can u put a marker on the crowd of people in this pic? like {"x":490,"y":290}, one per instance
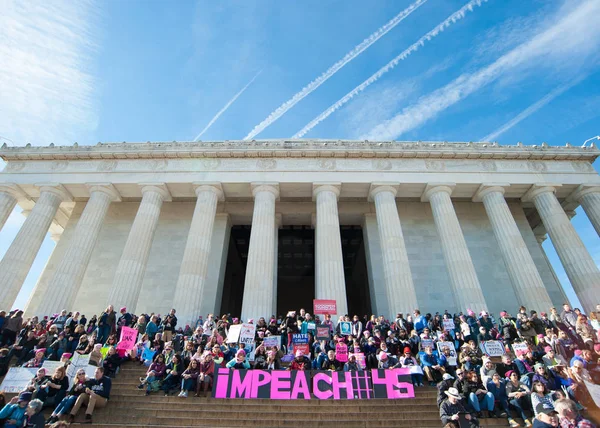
{"x":556,"y":358}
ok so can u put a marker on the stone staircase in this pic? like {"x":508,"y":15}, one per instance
{"x":129,"y":407}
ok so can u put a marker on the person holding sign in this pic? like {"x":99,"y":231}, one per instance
{"x":239,"y":362}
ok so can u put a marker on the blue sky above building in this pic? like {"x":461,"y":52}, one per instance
{"x":161,"y":71}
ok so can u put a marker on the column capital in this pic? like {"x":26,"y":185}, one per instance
{"x":582,"y":190}
{"x":15,"y":191}
{"x":538,"y":189}
{"x":160,"y":188}
{"x":376,"y":188}
{"x":327,"y":186}
{"x":107,"y":188}
{"x":486,"y":188}
{"x":214,"y":187}
{"x":57,"y":189}
{"x":432,"y":188}
{"x":271,"y":187}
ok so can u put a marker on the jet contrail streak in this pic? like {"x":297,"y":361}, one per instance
{"x":531,"y":109}
{"x":231,"y":101}
{"x":358,"y":49}
{"x":456,"y":16}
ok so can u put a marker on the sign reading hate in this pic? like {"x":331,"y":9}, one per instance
{"x":306,"y":385}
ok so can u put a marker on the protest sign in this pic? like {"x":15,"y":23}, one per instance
{"x":148,"y":354}
{"x":104,"y":351}
{"x":426,"y":343}
{"x":17,"y":379}
{"x":233,"y":335}
{"x":322,"y":332}
{"x":416,"y":370}
{"x":492,"y":348}
{"x":247,"y":334}
{"x":300,"y":343}
{"x":520,"y":346}
{"x":270,"y":341}
{"x":306,"y":385}
{"x":452,"y":358}
{"x":360,"y":359}
{"x":594,"y":391}
{"x":50,"y":366}
{"x":341,"y":352}
{"x":448,"y":325}
{"x":128,"y":338}
{"x":321,"y":307}
{"x":311,"y":325}
{"x":345,"y":328}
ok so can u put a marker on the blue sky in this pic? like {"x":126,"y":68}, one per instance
{"x":508,"y":70}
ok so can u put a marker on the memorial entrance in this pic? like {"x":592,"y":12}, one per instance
{"x":296,"y":269}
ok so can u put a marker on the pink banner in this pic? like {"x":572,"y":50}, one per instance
{"x":321,"y":307}
{"x":128,"y":338}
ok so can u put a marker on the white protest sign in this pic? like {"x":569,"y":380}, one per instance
{"x":17,"y":379}
{"x":247,"y":334}
{"x":233,"y":335}
{"x":270,"y":341}
{"x":416,"y":370}
{"x":492,"y":348}
{"x":79,"y":361}
{"x":448,"y":325}
{"x":520,"y":346}
{"x":311,"y":326}
{"x":594,"y":391}
{"x":50,"y":366}
{"x":452,"y":357}
{"x":426,"y":343}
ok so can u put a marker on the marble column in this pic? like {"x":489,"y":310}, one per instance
{"x":9,"y":195}
{"x":260,"y":287}
{"x":19,"y":257}
{"x":589,"y":198}
{"x":330,"y":283}
{"x":189,"y":290}
{"x":461,"y":271}
{"x":66,"y":281}
{"x":129,"y":275}
{"x":526,"y":280}
{"x":577,"y":261}
{"x":400,"y":290}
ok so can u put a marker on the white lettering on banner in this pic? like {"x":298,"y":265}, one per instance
{"x":452,"y":357}
{"x":17,"y":379}
{"x":492,"y":348}
{"x":325,"y":307}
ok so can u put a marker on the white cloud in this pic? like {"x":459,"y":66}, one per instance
{"x":558,"y":47}
{"x":46,"y":85}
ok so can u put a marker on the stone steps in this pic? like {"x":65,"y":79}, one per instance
{"x":131,"y":408}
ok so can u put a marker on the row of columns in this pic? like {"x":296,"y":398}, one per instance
{"x":260,"y":283}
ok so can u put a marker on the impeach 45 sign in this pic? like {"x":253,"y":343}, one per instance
{"x":307,"y":385}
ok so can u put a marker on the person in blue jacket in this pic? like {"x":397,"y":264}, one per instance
{"x":14,"y":411}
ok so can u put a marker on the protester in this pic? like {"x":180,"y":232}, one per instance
{"x":452,"y":409}
{"x":14,"y":413}
{"x":96,"y":395}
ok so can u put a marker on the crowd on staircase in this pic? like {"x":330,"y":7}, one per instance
{"x":550,"y":359}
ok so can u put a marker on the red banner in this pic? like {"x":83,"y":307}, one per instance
{"x":322,"y":307}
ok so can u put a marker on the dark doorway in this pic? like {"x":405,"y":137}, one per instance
{"x":355,"y":271}
{"x":296,"y":270}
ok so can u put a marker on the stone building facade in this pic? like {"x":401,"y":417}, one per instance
{"x":262,"y":227}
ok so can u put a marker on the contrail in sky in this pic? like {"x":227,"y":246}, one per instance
{"x":358,"y":49}
{"x":456,"y":16}
{"x":558,"y":44}
{"x":231,"y":101}
{"x":531,"y":109}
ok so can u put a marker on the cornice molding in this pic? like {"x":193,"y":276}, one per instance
{"x":300,"y":149}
